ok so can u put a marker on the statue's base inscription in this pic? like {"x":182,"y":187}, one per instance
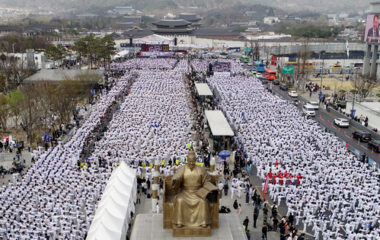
{"x":192,"y":231}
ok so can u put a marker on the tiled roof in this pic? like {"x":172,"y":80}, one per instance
{"x":172,"y":23}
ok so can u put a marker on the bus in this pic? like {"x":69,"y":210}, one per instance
{"x":270,"y":74}
{"x":259,"y":66}
{"x":273,"y":60}
{"x":336,"y":66}
{"x":183,"y":51}
{"x":244,"y":59}
{"x":309,"y":66}
{"x":233,"y":49}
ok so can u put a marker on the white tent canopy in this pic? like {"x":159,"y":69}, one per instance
{"x":121,"y":54}
{"x":118,"y":201}
{"x":218,"y":123}
{"x":203,"y":89}
{"x":155,"y":39}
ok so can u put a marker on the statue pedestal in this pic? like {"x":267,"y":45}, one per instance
{"x":150,"y":227}
{"x":192,"y":232}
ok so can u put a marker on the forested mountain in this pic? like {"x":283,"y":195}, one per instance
{"x":148,"y":5}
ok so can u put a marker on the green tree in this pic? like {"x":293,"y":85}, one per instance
{"x":91,"y":43}
{"x":30,"y":114}
{"x":15,"y":104}
{"x":96,"y":50}
{"x":109,"y":49}
{"x":80,"y":47}
{"x":4,"y":112}
{"x":56,"y":53}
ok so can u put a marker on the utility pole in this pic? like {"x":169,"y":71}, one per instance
{"x":353,"y":99}
{"x":323,"y":64}
{"x":252,"y":54}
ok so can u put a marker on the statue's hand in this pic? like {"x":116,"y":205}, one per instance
{"x":175,"y":185}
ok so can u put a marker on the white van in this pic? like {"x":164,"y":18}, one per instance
{"x":315,"y":104}
{"x":308,"y":110}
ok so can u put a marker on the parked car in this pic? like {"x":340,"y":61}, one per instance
{"x":276,"y":82}
{"x":293,"y":94}
{"x":341,"y":104}
{"x":374,"y":145}
{"x":284,"y":87}
{"x":342,"y":122}
{"x":314,"y":104}
{"x":308,"y":110}
{"x":362,"y":136}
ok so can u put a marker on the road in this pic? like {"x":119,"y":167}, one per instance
{"x":326,"y":120}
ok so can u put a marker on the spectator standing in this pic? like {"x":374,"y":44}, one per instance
{"x":256,"y":212}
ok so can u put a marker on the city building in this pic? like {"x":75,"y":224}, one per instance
{"x":271,"y":20}
{"x":87,"y":15}
{"x":128,"y":22}
{"x":30,"y":59}
{"x":191,"y":17}
{"x":124,"y":10}
{"x":137,"y":33}
{"x":7,"y":30}
{"x":256,"y":16}
{"x":39,"y":29}
{"x":218,"y":33}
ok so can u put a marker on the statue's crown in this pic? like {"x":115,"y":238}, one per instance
{"x":191,"y":154}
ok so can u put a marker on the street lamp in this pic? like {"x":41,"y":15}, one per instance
{"x":321,"y":69}
{"x":353,"y":99}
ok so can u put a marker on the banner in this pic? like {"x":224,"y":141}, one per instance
{"x":155,"y":47}
{"x":372,"y":33}
{"x":287,"y":69}
{"x":45,"y":137}
{"x":156,"y":54}
{"x":265,"y":187}
{"x":221,"y":66}
{"x":222,"y":74}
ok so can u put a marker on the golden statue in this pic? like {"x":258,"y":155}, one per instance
{"x":192,"y":190}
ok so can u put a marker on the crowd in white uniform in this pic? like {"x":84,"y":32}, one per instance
{"x":337,"y":194}
{"x":145,"y":64}
{"x":153,"y":123}
{"x":57,"y":200}
{"x":54,"y":199}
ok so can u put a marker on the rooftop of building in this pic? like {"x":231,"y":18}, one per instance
{"x":124,"y":8}
{"x":172,"y":23}
{"x":39,"y":27}
{"x":8,"y":28}
{"x":191,"y":17}
{"x":216,"y":32}
{"x":55,"y":75}
{"x":138,"y":33}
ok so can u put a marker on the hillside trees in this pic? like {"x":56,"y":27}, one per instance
{"x":97,"y":51}
{"x":43,"y":106}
